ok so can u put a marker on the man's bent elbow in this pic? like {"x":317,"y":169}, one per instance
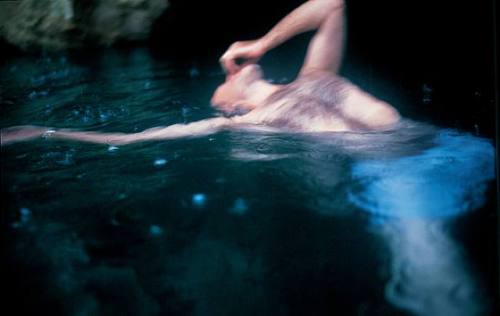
{"x":385,"y":117}
{"x":333,"y":4}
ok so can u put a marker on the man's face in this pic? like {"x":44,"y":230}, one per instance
{"x":232,"y":96}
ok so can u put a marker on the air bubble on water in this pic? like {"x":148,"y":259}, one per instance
{"x":155,"y":230}
{"x":199,"y":199}
{"x":216,"y":73}
{"x":160,"y":162}
{"x":185,"y":111}
{"x":25,"y":214}
{"x":15,"y":225}
{"x":239,"y":207}
{"x":194,"y":72}
{"x":38,"y":81}
{"x":103,"y":117}
{"x":220,"y":180}
{"x":427,"y":93}
{"x":427,"y":88}
{"x":48,"y":109}
{"x":67,"y":160}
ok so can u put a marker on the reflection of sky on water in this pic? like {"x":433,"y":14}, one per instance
{"x":446,"y":180}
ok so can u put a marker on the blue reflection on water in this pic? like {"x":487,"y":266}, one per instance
{"x":447,"y":180}
{"x":413,"y":198}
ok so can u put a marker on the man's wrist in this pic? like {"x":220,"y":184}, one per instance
{"x":265,"y":44}
{"x":49,"y":133}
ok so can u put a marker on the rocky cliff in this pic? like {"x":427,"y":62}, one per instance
{"x":61,"y":24}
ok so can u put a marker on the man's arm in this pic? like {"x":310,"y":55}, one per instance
{"x":326,"y":47}
{"x":199,"y":128}
{"x":307,"y":17}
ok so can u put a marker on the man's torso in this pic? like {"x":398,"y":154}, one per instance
{"x":322,"y":102}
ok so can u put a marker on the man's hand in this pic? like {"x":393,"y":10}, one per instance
{"x":199,"y":128}
{"x":324,"y":52}
{"x":241,"y":54}
{"x":21,"y":133}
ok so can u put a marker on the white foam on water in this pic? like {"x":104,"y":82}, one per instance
{"x":160,"y":162}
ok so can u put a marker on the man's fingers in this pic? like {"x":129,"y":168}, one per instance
{"x":229,"y":65}
{"x":233,"y":61}
{"x":20,"y":133}
{"x":223,"y":62}
{"x":247,"y":62}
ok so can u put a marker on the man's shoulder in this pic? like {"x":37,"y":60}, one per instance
{"x":319,"y":75}
{"x":368,"y":109}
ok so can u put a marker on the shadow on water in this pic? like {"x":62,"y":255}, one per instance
{"x":233,"y":223}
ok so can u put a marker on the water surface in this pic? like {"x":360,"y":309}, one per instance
{"x":235,"y":223}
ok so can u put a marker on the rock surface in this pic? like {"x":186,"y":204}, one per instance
{"x":61,"y":24}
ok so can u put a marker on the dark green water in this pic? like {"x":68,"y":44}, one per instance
{"x":236,"y":223}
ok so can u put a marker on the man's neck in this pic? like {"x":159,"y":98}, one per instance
{"x":259,"y":91}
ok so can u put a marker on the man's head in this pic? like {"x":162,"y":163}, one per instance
{"x":235,"y":95}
